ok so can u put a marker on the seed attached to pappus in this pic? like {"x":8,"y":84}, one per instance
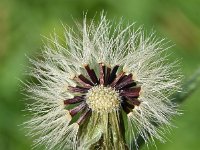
{"x":102,"y":89}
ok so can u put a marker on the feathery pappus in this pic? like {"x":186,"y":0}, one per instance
{"x":101,"y":88}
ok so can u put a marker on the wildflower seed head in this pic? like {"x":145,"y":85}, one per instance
{"x":103,"y":99}
{"x":101,"y":89}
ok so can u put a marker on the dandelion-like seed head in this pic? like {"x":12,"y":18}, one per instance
{"x":100,"y":79}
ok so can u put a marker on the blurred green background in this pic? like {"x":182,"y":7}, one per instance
{"x":22,"y":22}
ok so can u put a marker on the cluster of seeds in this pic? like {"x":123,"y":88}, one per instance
{"x":103,"y":99}
{"x":111,"y":91}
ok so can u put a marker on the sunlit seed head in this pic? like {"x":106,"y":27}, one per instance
{"x":103,"y":99}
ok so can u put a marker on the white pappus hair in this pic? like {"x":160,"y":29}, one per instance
{"x":141,"y":59}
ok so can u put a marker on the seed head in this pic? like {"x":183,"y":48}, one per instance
{"x":101,"y":79}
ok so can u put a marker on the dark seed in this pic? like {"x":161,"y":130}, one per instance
{"x":102,"y":74}
{"x":78,"y":89}
{"x":133,"y":101}
{"x":124,"y":81}
{"x":84,"y":80}
{"x":92,"y":74}
{"x":77,"y":109}
{"x":131,"y":92}
{"x":113,"y":74}
{"x":119,"y":76}
{"x":84,"y":116}
{"x":107,"y":75}
{"x":126,"y":107}
{"x":74,"y":100}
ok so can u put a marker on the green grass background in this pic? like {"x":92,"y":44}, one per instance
{"x":22,"y":22}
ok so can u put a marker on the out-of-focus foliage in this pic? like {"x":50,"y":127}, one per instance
{"x":22,"y":22}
